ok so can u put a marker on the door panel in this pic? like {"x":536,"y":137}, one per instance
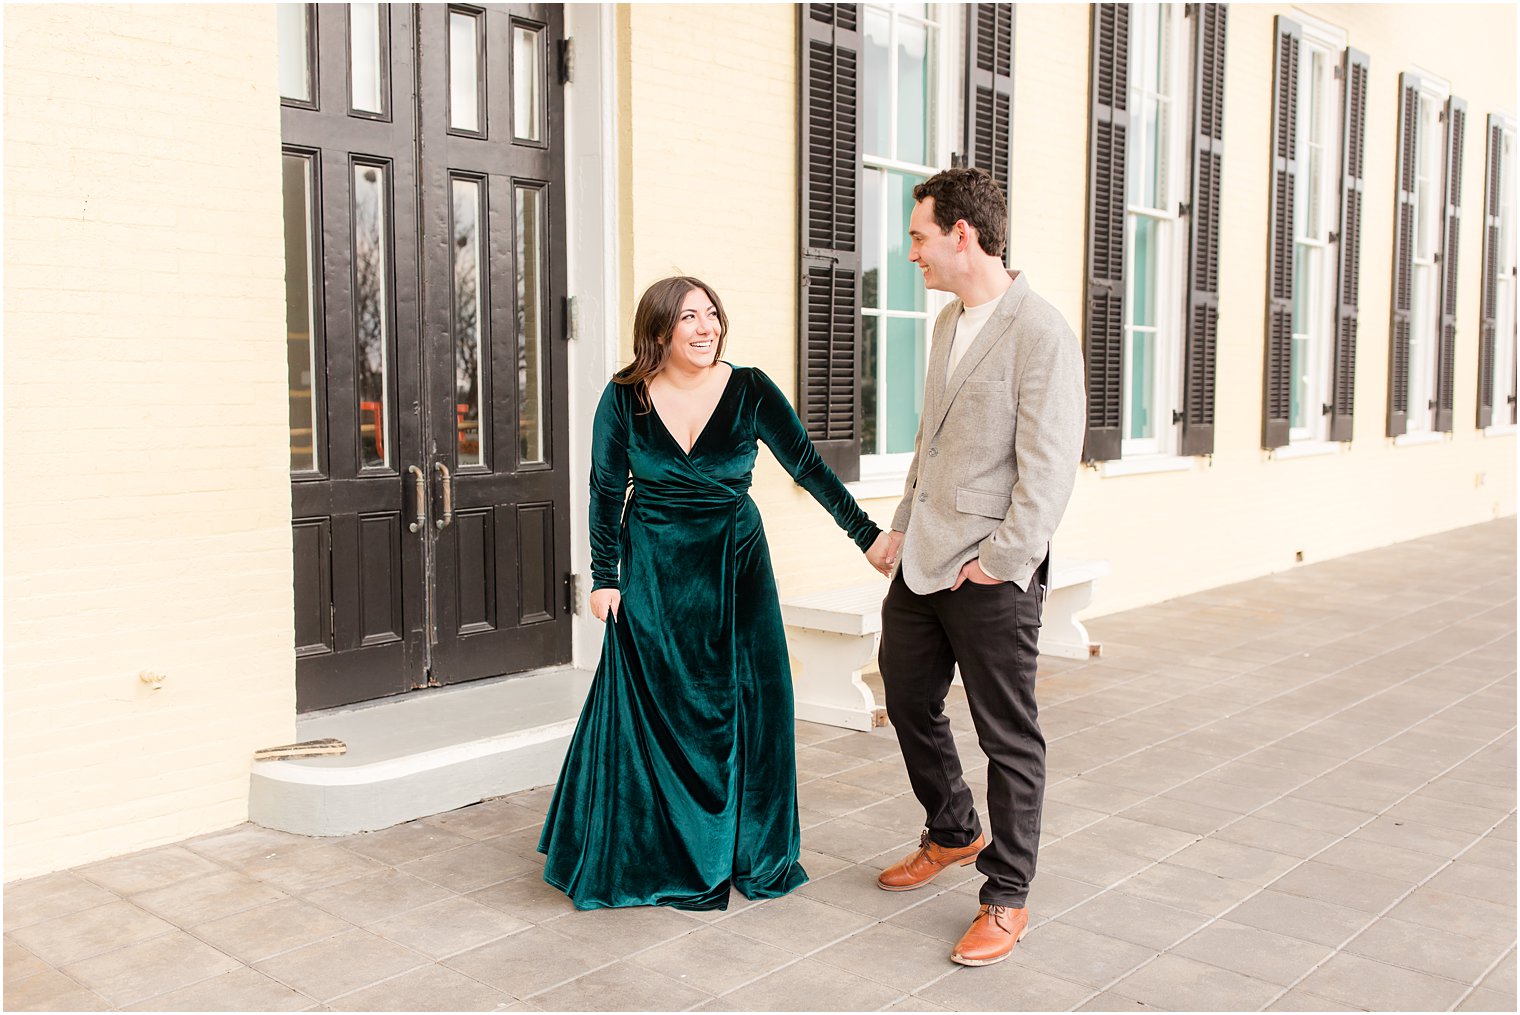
{"x":491,"y":205}
{"x":415,"y":356}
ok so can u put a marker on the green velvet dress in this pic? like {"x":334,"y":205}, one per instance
{"x":681,"y":779}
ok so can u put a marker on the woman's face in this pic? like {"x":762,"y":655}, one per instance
{"x":694,"y":341}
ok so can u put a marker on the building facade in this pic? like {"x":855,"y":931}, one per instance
{"x":1285,"y":235}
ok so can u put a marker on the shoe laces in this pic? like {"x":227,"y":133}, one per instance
{"x":997,"y":913}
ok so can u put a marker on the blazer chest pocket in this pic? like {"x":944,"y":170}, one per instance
{"x":979,"y":502}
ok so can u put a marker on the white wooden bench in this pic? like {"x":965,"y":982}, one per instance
{"x":832,"y":635}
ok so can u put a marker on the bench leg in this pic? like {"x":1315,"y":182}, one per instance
{"x":1061,"y":634}
{"x":826,"y":678}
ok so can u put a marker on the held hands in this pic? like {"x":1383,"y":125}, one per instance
{"x":972,"y":572}
{"x":884,"y":553}
{"x":605,"y":600}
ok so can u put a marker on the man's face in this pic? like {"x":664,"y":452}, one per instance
{"x":934,"y":251}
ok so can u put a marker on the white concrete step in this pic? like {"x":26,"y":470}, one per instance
{"x":422,"y":753}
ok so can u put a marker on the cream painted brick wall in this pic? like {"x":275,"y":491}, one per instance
{"x":147,"y":502}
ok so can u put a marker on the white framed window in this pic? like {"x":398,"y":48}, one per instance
{"x":910,"y":108}
{"x":1156,"y":234}
{"x":1316,"y":220}
{"x":1504,"y":316}
{"x":1425,"y":275}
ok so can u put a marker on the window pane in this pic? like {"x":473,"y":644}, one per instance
{"x":1140,"y":374}
{"x":870,"y":391}
{"x":913,"y":75}
{"x":870,"y":237}
{"x":875,"y":131}
{"x":1144,"y":258}
{"x":527,"y":73}
{"x":295,"y":51}
{"x":367,"y":57}
{"x":299,"y":310}
{"x":371,"y":324}
{"x":464,"y":71}
{"x":904,"y":371}
{"x":905,"y":285}
{"x":530,"y":325}
{"x":1298,"y":365}
{"x":469,"y":323}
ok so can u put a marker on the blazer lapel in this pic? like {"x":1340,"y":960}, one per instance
{"x":939,"y":358}
{"x":992,"y":332}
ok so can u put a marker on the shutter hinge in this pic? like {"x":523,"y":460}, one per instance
{"x":1340,"y":72}
{"x":1326,"y":409}
{"x":1176,"y":416}
{"x":957,"y":160}
{"x":566,"y":61}
{"x":1335,"y":237}
{"x":572,"y":318}
{"x":1183,"y":209}
{"x":1189,"y":10}
{"x":573,"y":593}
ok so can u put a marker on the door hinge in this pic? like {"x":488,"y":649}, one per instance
{"x":566,"y":61}
{"x":573,"y":593}
{"x":572,"y":318}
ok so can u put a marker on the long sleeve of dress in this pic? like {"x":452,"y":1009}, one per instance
{"x":778,"y":426}
{"x":609,"y":487}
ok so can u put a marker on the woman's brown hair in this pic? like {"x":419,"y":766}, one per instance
{"x":653,"y":324}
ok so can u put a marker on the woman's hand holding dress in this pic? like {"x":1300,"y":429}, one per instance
{"x":604,"y":601}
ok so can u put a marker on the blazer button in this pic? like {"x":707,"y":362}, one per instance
{"x":934,"y":452}
{"x":923,"y":497}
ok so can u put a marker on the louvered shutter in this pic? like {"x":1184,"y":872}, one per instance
{"x":1490,"y":313}
{"x":989,"y":93}
{"x":828,"y":347}
{"x":1103,"y":315}
{"x":1202,"y":334}
{"x":1354,"y":69}
{"x":1403,"y":257}
{"x":1277,"y":383}
{"x":1451,"y":234}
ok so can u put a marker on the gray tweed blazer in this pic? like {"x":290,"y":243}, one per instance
{"x":998,"y":445}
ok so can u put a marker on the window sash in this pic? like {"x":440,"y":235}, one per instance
{"x":1151,"y":361}
{"x":1316,"y":215}
{"x":1425,"y":288}
{"x":939,"y":117}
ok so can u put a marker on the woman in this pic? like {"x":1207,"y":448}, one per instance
{"x":681,"y":778}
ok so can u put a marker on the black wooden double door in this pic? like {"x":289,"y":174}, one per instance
{"x":429,"y":485}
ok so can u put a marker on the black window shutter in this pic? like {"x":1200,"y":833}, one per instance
{"x":1354,"y":69}
{"x":1451,"y":233}
{"x":1490,"y":295}
{"x":1403,"y":258}
{"x":1277,"y":381}
{"x":1107,"y":144}
{"x":1202,"y":334}
{"x":989,"y":93}
{"x":828,"y":306}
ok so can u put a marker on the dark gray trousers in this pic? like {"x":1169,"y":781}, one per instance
{"x":992,"y":632}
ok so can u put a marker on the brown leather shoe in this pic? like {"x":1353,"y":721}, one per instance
{"x":925,"y":863}
{"x":991,"y":936}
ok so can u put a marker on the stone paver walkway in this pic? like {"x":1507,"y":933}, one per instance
{"x":1294,"y":793}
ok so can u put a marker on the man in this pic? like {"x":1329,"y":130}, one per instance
{"x":993,"y":466}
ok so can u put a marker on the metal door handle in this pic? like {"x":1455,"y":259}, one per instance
{"x":419,"y":485}
{"x":448,"y":496}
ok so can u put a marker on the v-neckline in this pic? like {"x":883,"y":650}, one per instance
{"x":686,"y":452}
